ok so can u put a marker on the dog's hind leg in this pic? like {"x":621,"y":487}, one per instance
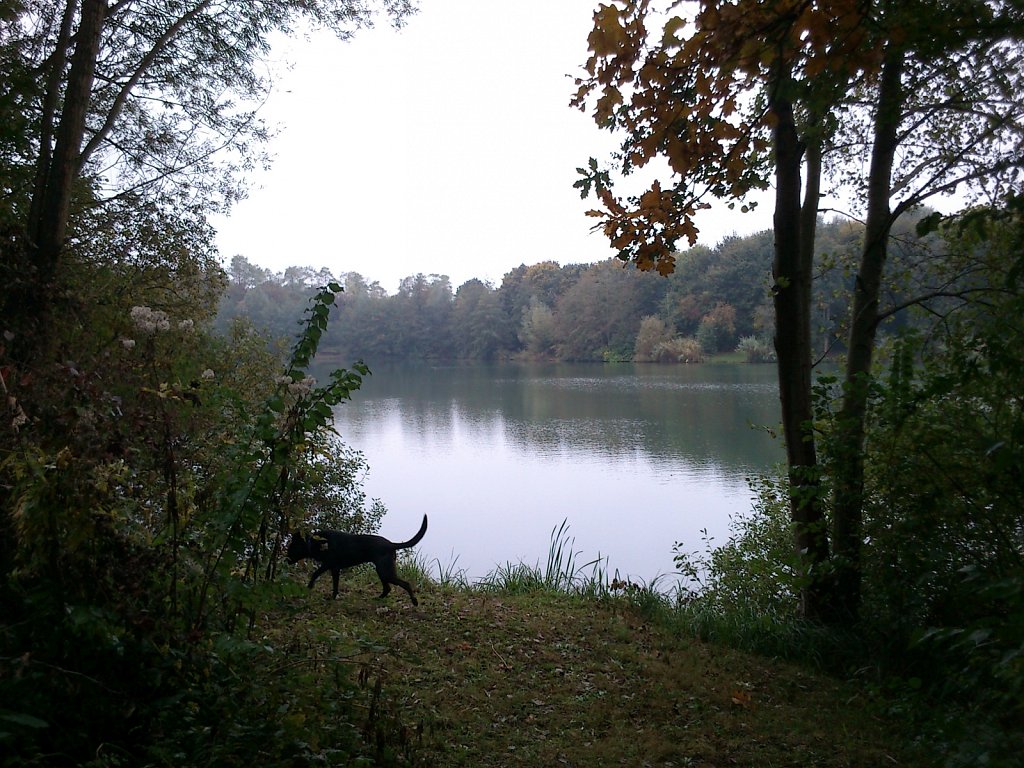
{"x":389,"y":575}
{"x":405,"y":585}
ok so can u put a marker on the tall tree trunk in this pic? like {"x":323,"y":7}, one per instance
{"x":58,"y":171}
{"x":50,"y":105}
{"x":849,"y":460}
{"x":791,"y":271}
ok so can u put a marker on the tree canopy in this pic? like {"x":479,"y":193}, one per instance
{"x":149,"y":106}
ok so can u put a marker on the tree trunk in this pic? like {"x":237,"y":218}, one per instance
{"x":849,"y":460}
{"x":791,"y":271}
{"x":50,"y":106}
{"x":58,"y":171}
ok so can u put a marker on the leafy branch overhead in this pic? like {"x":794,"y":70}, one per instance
{"x":697,"y":94}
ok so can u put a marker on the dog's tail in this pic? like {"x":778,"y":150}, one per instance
{"x":415,"y":539}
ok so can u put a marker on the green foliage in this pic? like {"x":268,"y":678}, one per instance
{"x":477,"y":322}
{"x":678,"y":350}
{"x":943,"y":562}
{"x":717,"y":329}
{"x":942,"y":538}
{"x":755,"y":572}
{"x":331,"y":494}
{"x":653,"y":332}
{"x":755,"y":350}
{"x":538,"y":333}
{"x":581,"y":311}
{"x":147,"y":489}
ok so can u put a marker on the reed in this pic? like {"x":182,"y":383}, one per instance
{"x":561,"y":572}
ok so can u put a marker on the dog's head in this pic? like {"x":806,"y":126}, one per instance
{"x":298,"y":548}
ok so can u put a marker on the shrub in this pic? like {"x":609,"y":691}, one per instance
{"x":678,"y":350}
{"x":146,"y":494}
{"x":942,"y":563}
{"x":755,"y":350}
{"x":717,"y":329}
{"x":653,"y":332}
{"x":755,"y":571}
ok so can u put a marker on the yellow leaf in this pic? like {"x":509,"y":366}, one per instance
{"x":608,"y":34}
{"x":709,"y":18}
{"x":672,"y":26}
{"x":741,"y":698}
{"x":606,"y":104}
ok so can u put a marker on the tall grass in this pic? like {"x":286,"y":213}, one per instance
{"x":560,"y":573}
{"x":563,"y":573}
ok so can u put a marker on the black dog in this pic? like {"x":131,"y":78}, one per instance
{"x":335,"y":550}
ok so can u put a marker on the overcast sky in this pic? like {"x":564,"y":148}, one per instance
{"x":445,"y":147}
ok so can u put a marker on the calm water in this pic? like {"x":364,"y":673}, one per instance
{"x":634,"y":458}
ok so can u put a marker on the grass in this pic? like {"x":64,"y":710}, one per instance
{"x":480,"y":677}
{"x":727,"y":357}
{"x":560,"y":574}
{"x":559,"y":666}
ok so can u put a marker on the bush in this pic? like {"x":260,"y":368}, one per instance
{"x":754,"y":572}
{"x":942,"y":563}
{"x":678,"y":350}
{"x":146,"y":493}
{"x":717,"y":329}
{"x":755,"y":350}
{"x":653,"y":332}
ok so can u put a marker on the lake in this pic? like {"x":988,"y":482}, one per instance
{"x":633,"y":457}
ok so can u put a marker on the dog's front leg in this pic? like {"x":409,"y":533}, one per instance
{"x":320,"y":572}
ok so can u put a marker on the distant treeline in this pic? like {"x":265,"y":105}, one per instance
{"x":718,"y":300}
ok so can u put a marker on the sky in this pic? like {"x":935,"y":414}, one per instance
{"x":445,"y":147}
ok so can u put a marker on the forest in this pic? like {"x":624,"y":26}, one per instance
{"x":159,"y":448}
{"x":716,"y":301}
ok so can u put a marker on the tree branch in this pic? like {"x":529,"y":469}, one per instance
{"x":147,"y":61}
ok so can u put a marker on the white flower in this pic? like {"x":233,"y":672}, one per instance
{"x":150,"y":320}
{"x":207,"y":374}
{"x":300,"y":388}
{"x":127,"y":343}
{"x":186,"y":325}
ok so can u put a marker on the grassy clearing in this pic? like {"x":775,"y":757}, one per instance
{"x":727,"y":357}
{"x":521,"y":670}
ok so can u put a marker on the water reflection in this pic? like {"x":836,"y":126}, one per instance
{"x":635,"y":457}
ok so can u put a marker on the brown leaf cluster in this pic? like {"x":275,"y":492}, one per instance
{"x":693,"y":97}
